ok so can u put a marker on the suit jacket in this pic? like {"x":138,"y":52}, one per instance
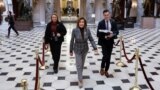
{"x":48,"y":33}
{"x":78,"y":44}
{"x":101,"y":36}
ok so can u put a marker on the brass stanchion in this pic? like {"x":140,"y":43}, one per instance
{"x":42,"y":67}
{"x":136,"y":87}
{"x":48,"y":52}
{"x":24,"y":84}
{"x":120,"y":63}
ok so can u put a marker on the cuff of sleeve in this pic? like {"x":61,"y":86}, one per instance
{"x":95,"y":48}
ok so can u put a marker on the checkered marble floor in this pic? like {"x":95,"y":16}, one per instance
{"x":17,"y":62}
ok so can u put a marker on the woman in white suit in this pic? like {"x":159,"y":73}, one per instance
{"x":79,"y":44}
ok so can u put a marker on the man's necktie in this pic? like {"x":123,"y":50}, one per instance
{"x":107,"y":25}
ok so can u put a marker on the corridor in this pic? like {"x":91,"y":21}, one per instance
{"x":17,"y":58}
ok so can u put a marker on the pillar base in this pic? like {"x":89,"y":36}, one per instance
{"x":148,"y":22}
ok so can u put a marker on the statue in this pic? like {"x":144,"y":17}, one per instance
{"x":70,"y":10}
{"x":116,"y":14}
{"x":148,"y":8}
{"x":24,"y":9}
{"x":158,"y":8}
{"x":128,"y":7}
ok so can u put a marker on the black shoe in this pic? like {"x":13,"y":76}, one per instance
{"x":7,"y":36}
{"x":56,"y":71}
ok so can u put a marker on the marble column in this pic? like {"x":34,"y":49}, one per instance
{"x":39,"y":13}
{"x":10,"y":6}
{"x":98,"y":11}
{"x":90,"y":10}
{"x":49,"y":10}
{"x":104,"y":4}
{"x":83,"y":8}
{"x":4,"y":15}
{"x":109,"y":5}
{"x":139,"y":11}
{"x":57,"y":8}
{"x":42,"y":12}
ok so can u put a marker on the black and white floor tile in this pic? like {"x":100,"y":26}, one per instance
{"x":17,"y":62}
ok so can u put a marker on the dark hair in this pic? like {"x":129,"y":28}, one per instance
{"x":85,"y":22}
{"x":56,"y":16}
{"x":106,"y":10}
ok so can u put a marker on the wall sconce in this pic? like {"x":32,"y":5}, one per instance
{"x":2,"y":7}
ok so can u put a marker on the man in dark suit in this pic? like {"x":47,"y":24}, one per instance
{"x":106,"y":32}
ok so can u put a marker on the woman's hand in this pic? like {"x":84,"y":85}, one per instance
{"x":58,"y":34}
{"x":46,"y":45}
{"x":110,"y":35}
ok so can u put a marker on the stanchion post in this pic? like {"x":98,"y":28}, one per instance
{"x":24,"y":84}
{"x":43,"y":67}
{"x":136,"y":87}
{"x":120,"y":63}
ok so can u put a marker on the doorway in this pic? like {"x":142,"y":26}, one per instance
{"x":69,"y":10}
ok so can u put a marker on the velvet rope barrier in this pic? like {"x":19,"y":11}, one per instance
{"x":42,"y":61}
{"x":37,"y":74}
{"x":144,"y":73}
{"x":116,"y":44}
{"x":124,"y":51}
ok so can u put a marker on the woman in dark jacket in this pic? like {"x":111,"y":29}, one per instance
{"x":54,"y":35}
